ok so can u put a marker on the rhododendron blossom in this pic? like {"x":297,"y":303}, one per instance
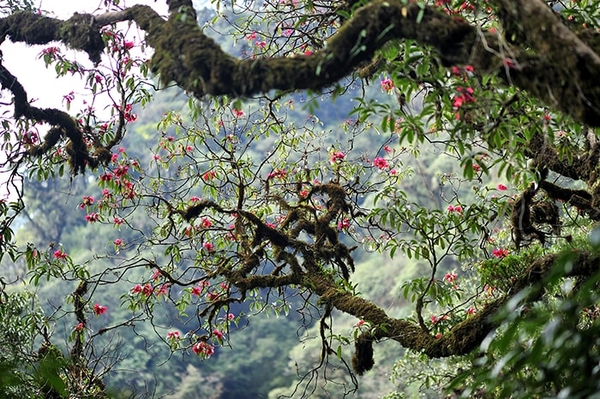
{"x":92,"y":217}
{"x":206,"y":176}
{"x":99,"y":309}
{"x":203,"y":349}
{"x":208,"y":246}
{"x":500,"y":252}
{"x":60,"y":254}
{"x":380,"y":163}
{"x":387,"y":85}
{"x":337,"y":156}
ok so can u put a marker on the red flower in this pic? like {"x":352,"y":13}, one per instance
{"x":502,"y":187}
{"x":450,"y":277}
{"x":203,"y":349}
{"x":98,"y":309}
{"x":208,"y":246}
{"x":343,"y":224}
{"x":208,"y":175}
{"x":218,"y":334}
{"x":337,"y":156}
{"x":387,"y":85}
{"x":60,"y":254}
{"x":173,"y":335}
{"x":380,"y":163}
{"x":500,"y":253}
{"x":279,"y":173}
{"x":92,"y":217}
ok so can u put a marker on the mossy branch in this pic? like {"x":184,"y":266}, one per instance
{"x":183,"y":54}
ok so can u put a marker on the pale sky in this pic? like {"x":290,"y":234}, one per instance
{"x":41,"y":83}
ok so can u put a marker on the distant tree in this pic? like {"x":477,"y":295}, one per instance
{"x":506,"y":90}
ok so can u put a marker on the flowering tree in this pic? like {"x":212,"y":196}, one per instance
{"x":505,"y":89}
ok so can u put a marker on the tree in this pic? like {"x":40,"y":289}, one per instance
{"x":503,"y":88}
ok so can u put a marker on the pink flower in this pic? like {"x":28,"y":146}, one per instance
{"x":502,"y":187}
{"x":50,"y":51}
{"x":465,"y":96}
{"x":206,"y":176}
{"x":196,"y":291}
{"x":147,"y":290}
{"x":163,"y":289}
{"x":121,"y":170}
{"x":118,"y":242}
{"x":380,"y":163}
{"x":218,"y":334}
{"x":260,"y":44}
{"x":471,"y":310}
{"x":194,"y":199}
{"x":203,"y":349}
{"x":60,"y":254}
{"x":450,"y":277}
{"x":208,"y":246}
{"x":92,"y":217}
{"x":156,"y":275}
{"x":128,"y":115}
{"x":337,"y":156}
{"x":98,"y":309}
{"x":238,"y":112}
{"x":343,"y":224}
{"x":230,"y":316}
{"x":87,"y":200}
{"x":173,"y":335}
{"x":212,"y":296}
{"x":279,"y":173}
{"x":476,"y":167}
{"x":136,"y":289}
{"x":79,"y":327}
{"x":500,"y":253}
{"x":106,"y":177}
{"x":68,"y":98}
{"x":205,"y":223}
{"x":118,"y":221}
{"x":387,"y":85}
{"x":128,"y":45}
{"x":251,"y":36}
{"x":454,"y":208}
